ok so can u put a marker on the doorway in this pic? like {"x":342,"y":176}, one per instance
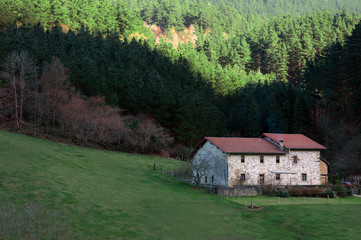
{"x":261,"y":179}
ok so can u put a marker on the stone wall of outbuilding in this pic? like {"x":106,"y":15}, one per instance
{"x":324,"y":172}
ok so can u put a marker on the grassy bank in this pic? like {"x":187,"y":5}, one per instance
{"x":110,"y":195}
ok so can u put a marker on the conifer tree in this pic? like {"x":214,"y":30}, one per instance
{"x":301,"y":117}
{"x":244,"y":52}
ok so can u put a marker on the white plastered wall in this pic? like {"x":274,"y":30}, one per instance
{"x":217,"y":162}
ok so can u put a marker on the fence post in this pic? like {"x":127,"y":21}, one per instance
{"x":153,"y":166}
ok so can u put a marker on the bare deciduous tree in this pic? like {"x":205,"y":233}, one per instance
{"x":200,"y":168}
{"x":54,"y":87}
{"x":20,"y":72}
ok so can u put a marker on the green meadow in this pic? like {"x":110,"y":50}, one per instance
{"x":95,"y":194}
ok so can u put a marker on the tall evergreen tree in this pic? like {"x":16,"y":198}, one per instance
{"x":301,"y":117}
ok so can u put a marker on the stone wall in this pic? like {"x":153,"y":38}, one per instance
{"x":308,"y":162}
{"x":238,"y":191}
{"x":241,"y":191}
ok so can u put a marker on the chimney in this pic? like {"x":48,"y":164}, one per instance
{"x":281,"y":144}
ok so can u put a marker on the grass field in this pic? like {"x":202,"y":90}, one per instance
{"x":110,"y":195}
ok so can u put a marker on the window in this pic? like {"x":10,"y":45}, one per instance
{"x":212,"y":179}
{"x":205,"y":179}
{"x":243,"y":177}
{"x":278,"y":176}
{"x":304,"y":177}
{"x":242,"y":159}
{"x":294,"y":159}
{"x":277,"y":159}
{"x":261,"y":159}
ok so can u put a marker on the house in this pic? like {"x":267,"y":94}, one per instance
{"x":277,"y":159}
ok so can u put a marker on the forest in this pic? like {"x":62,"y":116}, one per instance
{"x":94,"y":72}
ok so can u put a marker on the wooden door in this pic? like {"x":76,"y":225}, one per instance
{"x":261,"y":179}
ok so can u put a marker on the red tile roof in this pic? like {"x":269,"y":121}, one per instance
{"x":294,"y":141}
{"x":244,"y":145}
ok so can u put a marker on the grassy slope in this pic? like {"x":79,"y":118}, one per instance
{"x":117,"y":195}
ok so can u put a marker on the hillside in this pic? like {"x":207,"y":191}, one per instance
{"x":109,"y":195}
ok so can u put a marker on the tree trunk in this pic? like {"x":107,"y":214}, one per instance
{"x":16,"y":118}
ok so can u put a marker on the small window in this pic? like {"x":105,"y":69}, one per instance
{"x":261,"y":159}
{"x":242,"y":159}
{"x":294,"y":159}
{"x":304,"y":177}
{"x":243,"y":177}
{"x":205,"y":179}
{"x":277,"y":159}
{"x":212,"y":179}
{"x":278,"y":176}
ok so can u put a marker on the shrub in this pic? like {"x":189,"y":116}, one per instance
{"x":297,"y":192}
{"x":340,"y":190}
{"x":349,"y":191}
{"x":307,"y":191}
{"x":268,"y":189}
{"x":316,"y":192}
{"x":282,"y":194}
{"x":335,"y":179}
{"x":330,"y":193}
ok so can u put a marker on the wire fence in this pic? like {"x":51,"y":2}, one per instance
{"x":183,"y":172}
{"x":265,"y":201}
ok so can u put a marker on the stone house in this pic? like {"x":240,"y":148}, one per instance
{"x":277,"y":159}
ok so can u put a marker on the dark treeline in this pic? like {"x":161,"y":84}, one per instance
{"x":333,"y":81}
{"x":246,"y":74}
